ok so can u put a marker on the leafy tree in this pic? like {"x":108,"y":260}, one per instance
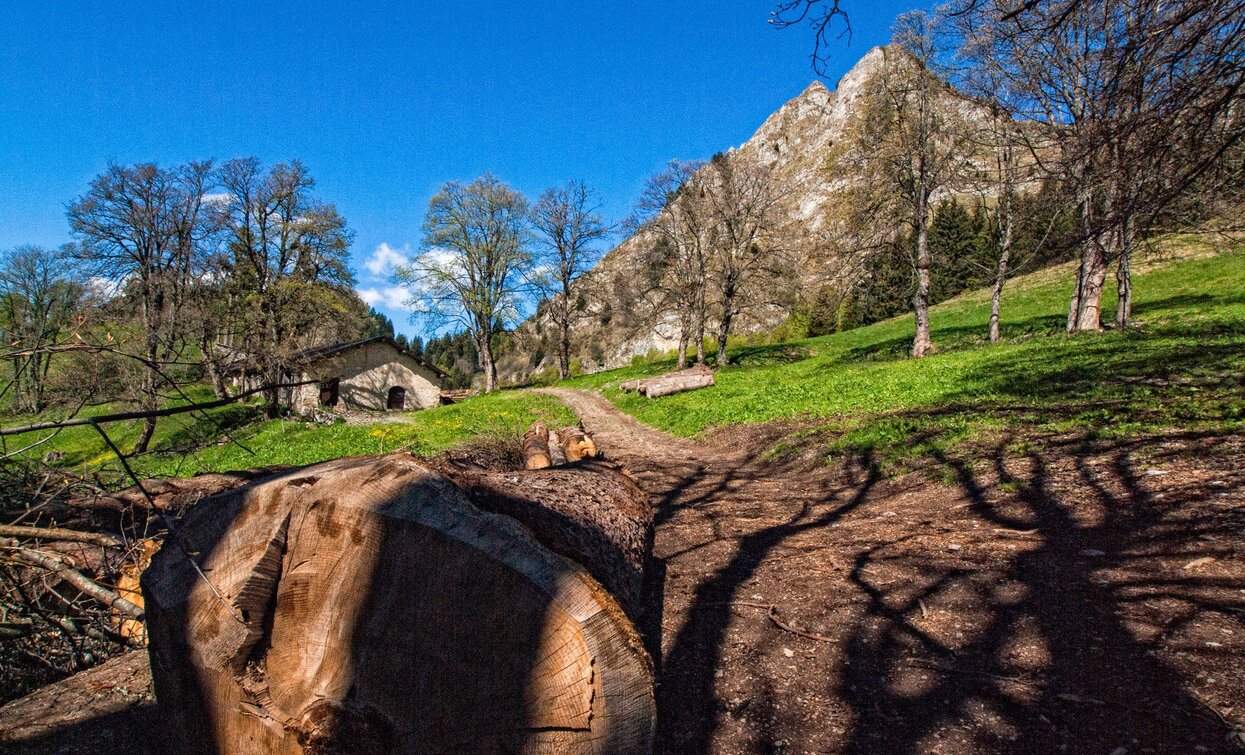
{"x":568,"y":224}
{"x":910,"y":143}
{"x":475,"y":256}
{"x":960,"y":250}
{"x":746,"y":264}
{"x":287,"y":267}
{"x":673,"y":212}
{"x":148,"y":227}
{"x":38,"y":301}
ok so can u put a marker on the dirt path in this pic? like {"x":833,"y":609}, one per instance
{"x":1077,"y":599}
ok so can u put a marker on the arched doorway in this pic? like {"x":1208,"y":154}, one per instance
{"x":397,"y":398}
{"x":329,"y":392}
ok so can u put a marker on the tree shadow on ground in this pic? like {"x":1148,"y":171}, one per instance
{"x":1047,"y":659}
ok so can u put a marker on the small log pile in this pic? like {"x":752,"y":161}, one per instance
{"x":670,"y":383}
{"x":543,"y":448}
{"x":374,"y":605}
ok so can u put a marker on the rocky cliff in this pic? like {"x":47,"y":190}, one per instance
{"x":795,"y":144}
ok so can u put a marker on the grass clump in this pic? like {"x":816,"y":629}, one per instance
{"x":233,"y":437}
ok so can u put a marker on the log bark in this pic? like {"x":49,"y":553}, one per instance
{"x":642,"y":385}
{"x":535,"y":446}
{"x":373,"y":605}
{"x":674,"y":385}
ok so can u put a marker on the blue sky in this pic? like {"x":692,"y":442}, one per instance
{"x":386,"y":101}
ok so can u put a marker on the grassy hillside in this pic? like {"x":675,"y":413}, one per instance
{"x":234,"y":437}
{"x":1180,"y":367}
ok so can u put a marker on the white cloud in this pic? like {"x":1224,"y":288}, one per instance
{"x":385,"y":258}
{"x":104,"y":287}
{"x":393,"y":297}
{"x":217,"y":198}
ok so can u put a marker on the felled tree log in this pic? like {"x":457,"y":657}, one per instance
{"x":557,"y":455}
{"x":535,"y":447}
{"x":576,"y":444}
{"x":694,"y":374}
{"x":372,"y":605}
{"x":669,"y":386}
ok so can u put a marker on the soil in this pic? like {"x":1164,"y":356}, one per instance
{"x":1035,"y":595}
{"x":1082,"y":597}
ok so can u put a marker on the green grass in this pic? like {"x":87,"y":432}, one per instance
{"x":185,"y":445}
{"x":1179,"y":368}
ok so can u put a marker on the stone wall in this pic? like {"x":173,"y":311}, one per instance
{"x":365,"y":375}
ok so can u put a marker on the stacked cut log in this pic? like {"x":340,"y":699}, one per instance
{"x":691,"y":379}
{"x":543,"y":448}
{"x":374,"y":605}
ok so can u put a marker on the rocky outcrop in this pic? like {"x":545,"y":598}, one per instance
{"x":796,"y":145}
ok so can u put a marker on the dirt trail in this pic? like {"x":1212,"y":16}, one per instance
{"x":1033,"y":594}
{"x":1037,"y":601}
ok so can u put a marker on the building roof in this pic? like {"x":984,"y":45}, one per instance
{"x":310,"y":356}
{"x":316,"y":353}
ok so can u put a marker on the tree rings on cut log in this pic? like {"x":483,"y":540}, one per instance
{"x":368,"y":605}
{"x":576,"y":444}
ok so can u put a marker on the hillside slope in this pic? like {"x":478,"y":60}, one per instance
{"x":1181,"y":366}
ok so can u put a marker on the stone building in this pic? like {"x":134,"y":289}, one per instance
{"x":374,"y":374}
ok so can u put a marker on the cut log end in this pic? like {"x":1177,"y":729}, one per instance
{"x":384,"y":607}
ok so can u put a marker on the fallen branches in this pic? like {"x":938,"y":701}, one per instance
{"x":59,"y":533}
{"x":38,"y":559}
{"x":772,"y":612}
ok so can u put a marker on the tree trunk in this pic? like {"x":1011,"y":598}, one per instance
{"x":920,"y":300}
{"x":485,"y":348}
{"x":1005,"y":253}
{"x":1093,"y":275}
{"x":1124,"y":279}
{"x":372,"y":605}
{"x":564,"y":347}
{"x":272,"y":395}
{"x":700,"y":338}
{"x":684,"y":336}
{"x":724,"y":330}
{"x":150,"y":404}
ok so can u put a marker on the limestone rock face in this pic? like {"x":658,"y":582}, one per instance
{"x":795,"y":144}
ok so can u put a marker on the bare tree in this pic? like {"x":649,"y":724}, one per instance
{"x":144,"y":227}
{"x":1141,"y":97}
{"x":825,"y":17}
{"x":746,"y":262}
{"x":568,"y":224}
{"x":911,"y":144}
{"x":672,"y":208}
{"x":38,"y":301}
{"x":287,"y":272}
{"x":475,"y":256}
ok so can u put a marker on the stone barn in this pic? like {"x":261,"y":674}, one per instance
{"x":374,"y":374}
